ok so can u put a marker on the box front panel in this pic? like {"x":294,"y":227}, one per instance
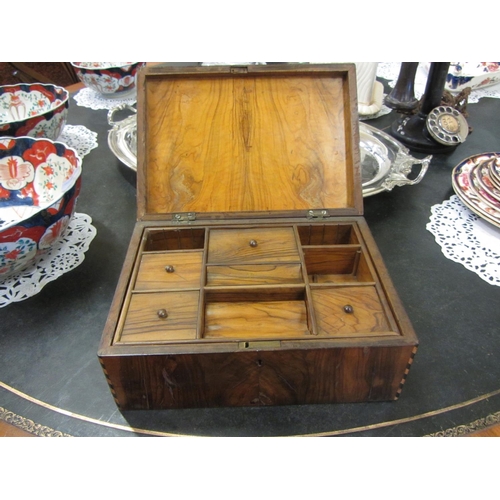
{"x":258,"y":378}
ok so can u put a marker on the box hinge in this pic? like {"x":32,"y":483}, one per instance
{"x":239,"y":69}
{"x":185,"y":217}
{"x":318,"y":214}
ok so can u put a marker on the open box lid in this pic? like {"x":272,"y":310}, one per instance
{"x":248,"y":141}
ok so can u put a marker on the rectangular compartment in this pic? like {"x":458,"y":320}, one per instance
{"x":256,"y":313}
{"x":160,"y":240}
{"x":327,"y":234}
{"x":338,"y":264}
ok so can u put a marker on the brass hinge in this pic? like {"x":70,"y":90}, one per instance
{"x":186,"y":217}
{"x":318,"y":214}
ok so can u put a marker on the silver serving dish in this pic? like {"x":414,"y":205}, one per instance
{"x":385,"y":162}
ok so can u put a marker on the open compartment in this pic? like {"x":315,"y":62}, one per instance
{"x":336,"y":264}
{"x":327,"y":234}
{"x":161,"y":240}
{"x":257,"y":313}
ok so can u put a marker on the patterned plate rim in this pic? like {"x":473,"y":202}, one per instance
{"x":481,"y":189}
{"x":461,"y":194}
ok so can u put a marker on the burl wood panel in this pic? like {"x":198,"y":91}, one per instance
{"x":259,"y":378}
{"x":226,"y":143}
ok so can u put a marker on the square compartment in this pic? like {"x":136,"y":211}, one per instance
{"x":327,"y":234}
{"x":339,"y":264}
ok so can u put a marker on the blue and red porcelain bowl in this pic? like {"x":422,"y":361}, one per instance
{"x":34,"y":110}
{"x":39,"y":183}
{"x":110,"y":79}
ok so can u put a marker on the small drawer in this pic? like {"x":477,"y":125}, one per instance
{"x":160,"y":317}
{"x":351,"y":311}
{"x":254,"y":274}
{"x":252,"y":245}
{"x":159,"y":271}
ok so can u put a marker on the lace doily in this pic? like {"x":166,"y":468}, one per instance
{"x":79,"y":138}
{"x":390,"y":71}
{"x":467,"y":239}
{"x":88,"y":98}
{"x":67,"y":254}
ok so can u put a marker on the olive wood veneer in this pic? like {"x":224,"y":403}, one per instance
{"x":251,"y":276}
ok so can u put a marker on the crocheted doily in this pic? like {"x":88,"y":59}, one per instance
{"x":80,"y":138}
{"x":66,"y":254}
{"x":467,"y":239}
{"x":88,"y":98}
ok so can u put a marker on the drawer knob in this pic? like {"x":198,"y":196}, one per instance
{"x":169,"y":269}
{"x":253,"y":243}
{"x":162,"y":313}
{"x":348,"y":309}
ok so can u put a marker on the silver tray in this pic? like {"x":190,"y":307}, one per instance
{"x":385,"y":162}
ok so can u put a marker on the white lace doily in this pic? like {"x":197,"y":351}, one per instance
{"x":384,"y":110}
{"x":79,"y":138}
{"x":467,"y":239}
{"x":390,"y":71}
{"x":88,"y":98}
{"x":65,"y":255}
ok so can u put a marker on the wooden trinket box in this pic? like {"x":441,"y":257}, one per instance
{"x":252,"y":277}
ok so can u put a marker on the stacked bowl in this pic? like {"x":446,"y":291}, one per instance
{"x":34,"y":110}
{"x":109,"y":79}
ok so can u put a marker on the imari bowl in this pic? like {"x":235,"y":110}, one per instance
{"x":34,"y":110}
{"x":39,"y":183}
{"x":110,"y":79}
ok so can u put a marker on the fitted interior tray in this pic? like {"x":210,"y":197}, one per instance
{"x":300,"y":281}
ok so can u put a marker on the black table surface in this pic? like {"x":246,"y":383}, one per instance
{"x":51,"y":381}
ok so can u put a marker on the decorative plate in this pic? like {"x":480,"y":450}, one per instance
{"x":463,"y":185}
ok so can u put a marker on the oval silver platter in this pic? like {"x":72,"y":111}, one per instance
{"x":385,"y":162}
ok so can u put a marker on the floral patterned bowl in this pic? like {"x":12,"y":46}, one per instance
{"x":35,"y":110}
{"x":39,"y":183}
{"x":110,"y":79}
{"x":474,"y":75}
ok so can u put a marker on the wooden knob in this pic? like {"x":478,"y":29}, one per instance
{"x":253,"y":243}
{"x":348,"y":309}
{"x":169,"y":269}
{"x":162,"y":313}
